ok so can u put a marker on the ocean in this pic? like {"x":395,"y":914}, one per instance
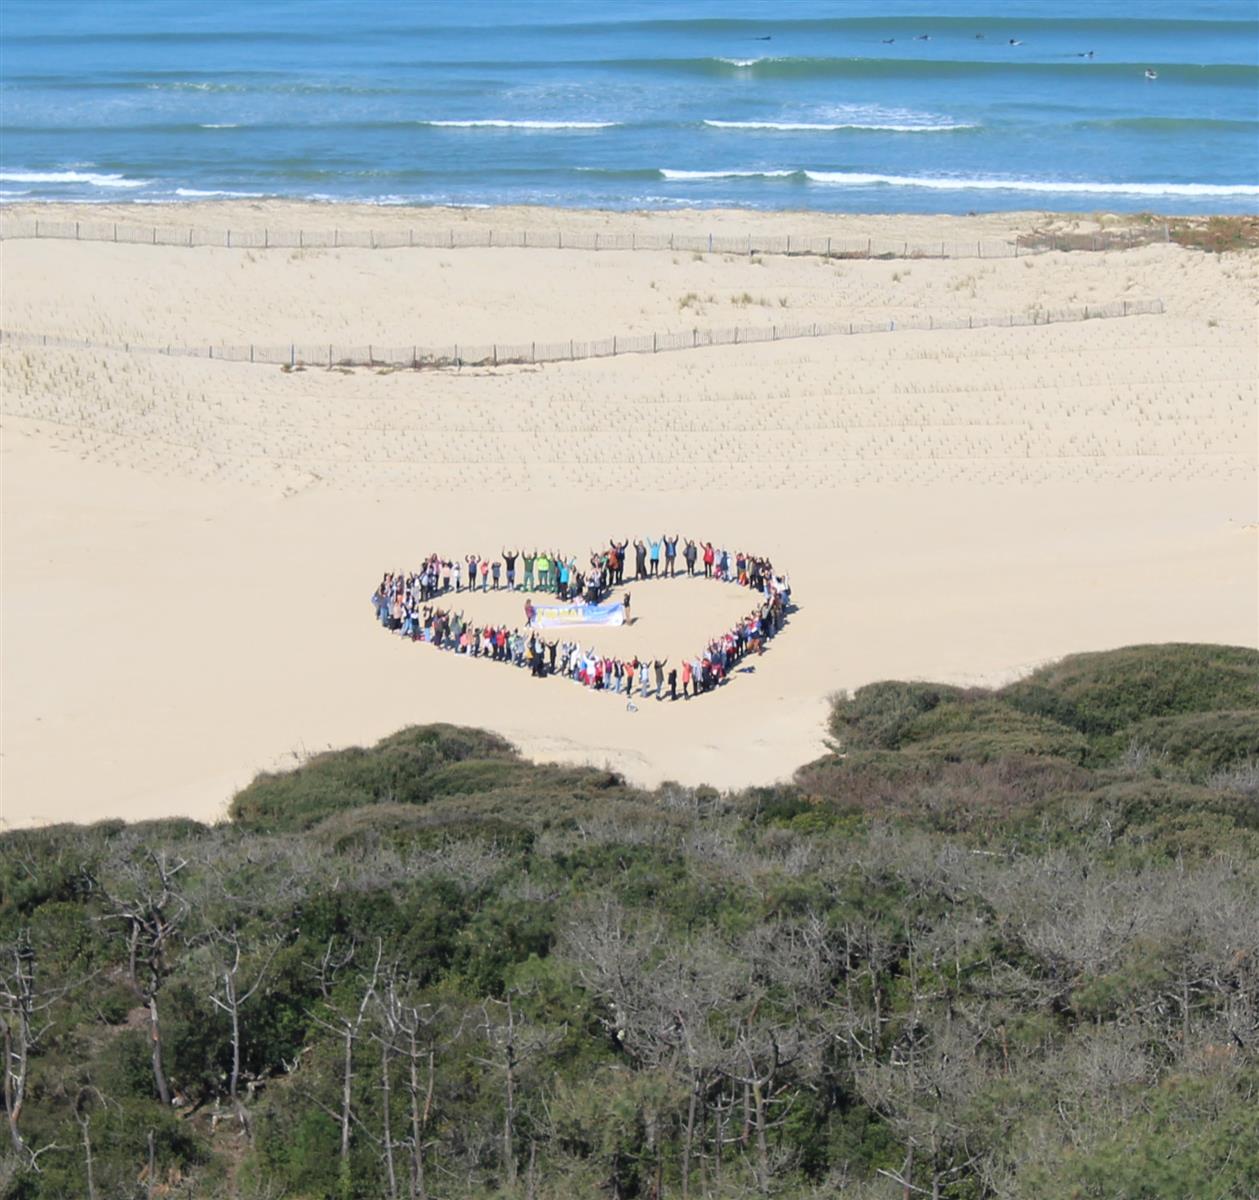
{"x":1001,"y":104}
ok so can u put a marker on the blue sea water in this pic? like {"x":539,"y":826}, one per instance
{"x":947,"y":106}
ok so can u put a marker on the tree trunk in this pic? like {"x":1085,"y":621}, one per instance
{"x":88,"y":1165}
{"x":12,"y":1101}
{"x":346,"y":1097}
{"x":417,"y":1137}
{"x":688,"y":1139}
{"x":762,"y":1144}
{"x":387,"y":1126}
{"x":155,"y":1032}
{"x":509,"y":1115}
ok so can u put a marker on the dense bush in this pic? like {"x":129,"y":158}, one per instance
{"x":1105,"y":692}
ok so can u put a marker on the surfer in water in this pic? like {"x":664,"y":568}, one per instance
{"x":1150,"y":73}
{"x":1015,"y":42}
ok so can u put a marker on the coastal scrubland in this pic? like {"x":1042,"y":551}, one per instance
{"x":992,"y":943}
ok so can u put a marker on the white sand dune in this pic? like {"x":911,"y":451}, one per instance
{"x":189,"y":546}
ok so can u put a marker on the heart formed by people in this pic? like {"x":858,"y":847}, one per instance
{"x":561,"y":592}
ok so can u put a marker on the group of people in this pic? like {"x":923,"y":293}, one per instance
{"x":404,"y":603}
{"x":562,"y":576}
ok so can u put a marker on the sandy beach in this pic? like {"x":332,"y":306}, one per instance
{"x":189,"y":545}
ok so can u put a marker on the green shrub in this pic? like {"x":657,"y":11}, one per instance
{"x":394,"y":771}
{"x":985,"y":729}
{"x":877,"y":716}
{"x":1100,"y":694}
{"x":1197,"y":744}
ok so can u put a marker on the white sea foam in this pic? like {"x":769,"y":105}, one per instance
{"x":741,"y":62}
{"x":198,"y":194}
{"x":220,"y":125}
{"x":500,"y":124}
{"x":682,"y":175}
{"x":105,"y":181}
{"x":826,"y":127}
{"x":1090,"y":187}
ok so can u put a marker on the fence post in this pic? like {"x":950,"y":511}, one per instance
{"x":749,"y":245}
{"x":1125,"y":308}
{"x":496,"y":354}
{"x":452,"y":239}
{"x":633,"y":240}
{"x":670,"y":241}
{"x":251,"y":352}
{"x":76,"y":231}
{"x":869,"y":246}
{"x":736,"y":335}
{"x":828,"y":247}
{"x":37,"y":228}
{"x":710,"y":243}
{"x":596,"y":239}
{"x":301,"y":239}
{"x":694,"y":338}
{"x":415,"y":359}
{"x":410,"y":237}
{"x":292,"y":355}
{"x":116,"y":234}
{"x":614,"y":344}
{"x":526,"y":239}
{"x":979,"y":249}
{"x":533,"y":352}
{"x":773,"y":333}
{"x":371,"y":357}
{"x":336,"y":238}
{"x":155,"y":235}
{"x":653,"y":343}
{"x":329,"y":356}
{"x":211,"y":349}
{"x":266,"y":238}
{"x":491,"y":237}
{"x":570,"y":349}
{"x":815,"y":329}
{"x":229,"y":236}
{"x":788,"y":244}
{"x":560,"y":237}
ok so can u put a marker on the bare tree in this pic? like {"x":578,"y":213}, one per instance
{"x":24,"y":1003}
{"x":151,"y":908}
{"x":18,"y":1030}
{"x":413,"y":1030}
{"x":512,"y":1043}
{"x":347,"y":1025}
{"x":83,"y":1118}
{"x":230,"y":993}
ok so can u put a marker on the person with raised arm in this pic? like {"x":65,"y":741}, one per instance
{"x":670,"y":554}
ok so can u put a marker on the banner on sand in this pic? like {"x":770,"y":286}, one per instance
{"x":555,"y":616}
